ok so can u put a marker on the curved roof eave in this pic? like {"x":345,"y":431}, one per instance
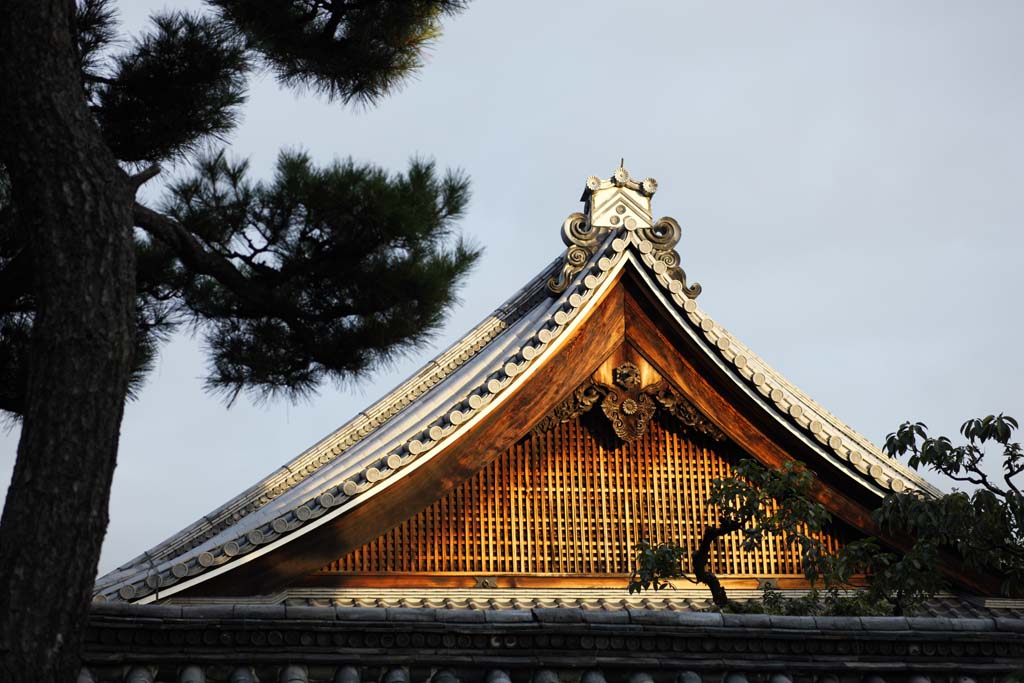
{"x":340,"y":446}
{"x":452,"y":392}
{"x":446,"y":406}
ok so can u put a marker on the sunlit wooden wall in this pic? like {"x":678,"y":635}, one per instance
{"x":573,"y":501}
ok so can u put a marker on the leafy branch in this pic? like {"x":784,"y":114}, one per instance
{"x":756,"y":502}
{"x":984,"y":526}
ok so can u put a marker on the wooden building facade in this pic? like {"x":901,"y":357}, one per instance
{"x":479,"y":522}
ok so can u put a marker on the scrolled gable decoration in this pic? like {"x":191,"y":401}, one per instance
{"x":630,"y":407}
{"x":580,"y":401}
{"x":609,"y":209}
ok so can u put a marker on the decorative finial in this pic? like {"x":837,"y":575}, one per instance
{"x":619,"y":204}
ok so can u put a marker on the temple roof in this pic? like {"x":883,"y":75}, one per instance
{"x":615,"y":234}
{"x":540,"y":645}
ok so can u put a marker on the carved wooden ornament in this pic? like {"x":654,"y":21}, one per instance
{"x":627,"y":406}
{"x":630,"y":407}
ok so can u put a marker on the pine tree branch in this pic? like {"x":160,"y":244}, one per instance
{"x":144,"y":176}
{"x":332,"y":24}
{"x":258,"y":301}
{"x":196,"y":258}
{"x":93,"y":78}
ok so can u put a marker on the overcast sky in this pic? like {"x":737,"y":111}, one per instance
{"x":848,"y":177}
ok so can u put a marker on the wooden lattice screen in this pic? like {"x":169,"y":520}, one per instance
{"x":573,"y":501}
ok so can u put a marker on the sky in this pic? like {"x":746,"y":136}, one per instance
{"x":848,"y":177}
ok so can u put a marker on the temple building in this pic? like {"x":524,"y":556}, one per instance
{"x":478,"y":523}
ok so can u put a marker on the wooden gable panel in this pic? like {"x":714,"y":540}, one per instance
{"x":574,"y":501}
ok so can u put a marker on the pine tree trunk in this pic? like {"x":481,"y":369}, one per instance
{"x":75,"y":204}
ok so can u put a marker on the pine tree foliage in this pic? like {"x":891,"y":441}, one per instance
{"x":346,"y":49}
{"x":339,"y":267}
{"x":320,"y":273}
{"x":95,"y":30}
{"x":179,"y":85}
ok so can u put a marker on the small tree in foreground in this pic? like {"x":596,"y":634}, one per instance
{"x":984,"y":527}
{"x":755,"y":502}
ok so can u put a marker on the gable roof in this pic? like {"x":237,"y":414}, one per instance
{"x":474,"y":377}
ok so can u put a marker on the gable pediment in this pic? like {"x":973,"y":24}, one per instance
{"x":620,"y":298}
{"x":566,"y":503}
{"x":624,"y":328}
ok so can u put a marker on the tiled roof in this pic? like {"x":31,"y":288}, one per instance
{"x":682,"y":599}
{"x":476,"y":375}
{"x":296,"y":644}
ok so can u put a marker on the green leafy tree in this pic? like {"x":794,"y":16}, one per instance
{"x":985,"y":525}
{"x":981,"y":527}
{"x":898,"y":583}
{"x":319,"y":273}
{"x":755,"y":503}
